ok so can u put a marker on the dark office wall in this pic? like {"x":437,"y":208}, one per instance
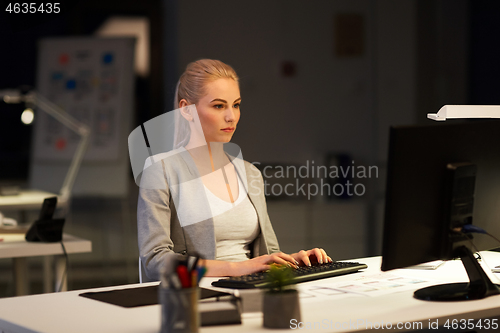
{"x":149,"y":90}
{"x":417,"y":56}
{"x":19,"y":34}
{"x":328,"y":101}
{"x":18,"y":39}
{"x":484,"y":84}
{"x":443,"y":49}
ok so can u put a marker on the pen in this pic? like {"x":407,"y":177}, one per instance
{"x":182,"y":273}
{"x":201,"y":272}
{"x":194,"y":278}
{"x":193,"y":262}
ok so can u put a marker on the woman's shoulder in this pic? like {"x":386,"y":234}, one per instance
{"x":176,"y":165}
{"x":251,"y":170}
{"x":158,"y":157}
{"x":250,"y":166}
{"x":170,"y":158}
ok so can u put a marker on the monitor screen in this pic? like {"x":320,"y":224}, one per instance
{"x":417,"y":221}
{"x":416,"y":186}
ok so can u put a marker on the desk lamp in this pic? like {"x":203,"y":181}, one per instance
{"x":465,"y":111}
{"x":36,"y":99}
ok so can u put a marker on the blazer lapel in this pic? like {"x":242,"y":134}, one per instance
{"x":199,"y":236}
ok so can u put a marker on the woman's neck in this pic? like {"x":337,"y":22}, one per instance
{"x":209,"y":157}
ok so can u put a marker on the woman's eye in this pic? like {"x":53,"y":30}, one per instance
{"x":236,"y":106}
{"x":218,"y":106}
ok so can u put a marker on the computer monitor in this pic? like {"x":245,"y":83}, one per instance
{"x":439,"y":178}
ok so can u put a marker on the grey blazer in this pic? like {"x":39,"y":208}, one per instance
{"x":160,"y":230}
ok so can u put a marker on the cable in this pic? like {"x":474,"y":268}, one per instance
{"x":469,"y":228}
{"x":59,"y":287}
{"x":474,"y":229}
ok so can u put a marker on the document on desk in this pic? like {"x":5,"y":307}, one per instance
{"x":363,"y":286}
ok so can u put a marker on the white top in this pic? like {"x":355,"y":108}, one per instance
{"x":236,"y":225}
{"x":190,"y":200}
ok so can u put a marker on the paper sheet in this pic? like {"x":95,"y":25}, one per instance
{"x":363,"y":286}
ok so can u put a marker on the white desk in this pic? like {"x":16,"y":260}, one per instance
{"x":27,"y":200}
{"x":16,"y":247}
{"x":68,"y":312}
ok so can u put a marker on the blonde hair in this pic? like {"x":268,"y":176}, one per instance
{"x":192,"y":87}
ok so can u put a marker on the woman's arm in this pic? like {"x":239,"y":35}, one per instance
{"x":262,"y":263}
{"x":257,"y":264}
{"x":154,"y":218}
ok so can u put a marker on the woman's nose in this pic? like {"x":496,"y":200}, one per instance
{"x":229,"y":115}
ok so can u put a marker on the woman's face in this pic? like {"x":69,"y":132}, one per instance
{"x":219,"y":110}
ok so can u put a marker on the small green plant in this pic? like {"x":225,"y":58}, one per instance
{"x":280,"y":278}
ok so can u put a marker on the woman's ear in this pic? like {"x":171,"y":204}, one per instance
{"x":185,"y":112}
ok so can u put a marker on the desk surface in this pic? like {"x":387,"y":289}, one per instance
{"x":15,"y":246}
{"x":67,"y":312}
{"x":27,"y":199}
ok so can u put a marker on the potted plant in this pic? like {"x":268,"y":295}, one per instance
{"x":281,"y":300}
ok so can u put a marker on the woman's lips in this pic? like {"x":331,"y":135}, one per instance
{"x":228,"y":129}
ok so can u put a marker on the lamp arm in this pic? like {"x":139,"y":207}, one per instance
{"x":73,"y":124}
{"x":15,"y":96}
{"x":69,"y":180}
{"x":58,"y":113}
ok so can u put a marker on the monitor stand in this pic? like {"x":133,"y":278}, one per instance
{"x":479,"y":286}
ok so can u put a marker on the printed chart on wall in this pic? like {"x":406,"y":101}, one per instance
{"x":92,"y":80}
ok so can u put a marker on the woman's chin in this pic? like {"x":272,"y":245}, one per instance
{"x":225,"y":139}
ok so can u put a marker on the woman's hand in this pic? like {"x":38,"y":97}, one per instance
{"x":310,"y":257}
{"x":263,"y":263}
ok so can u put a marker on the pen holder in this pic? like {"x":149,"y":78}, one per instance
{"x":179,"y":310}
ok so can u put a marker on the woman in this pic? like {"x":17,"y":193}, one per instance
{"x":214,"y":202}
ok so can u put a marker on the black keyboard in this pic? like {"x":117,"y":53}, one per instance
{"x":302,"y":274}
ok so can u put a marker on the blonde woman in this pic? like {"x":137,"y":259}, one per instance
{"x":213,"y":201}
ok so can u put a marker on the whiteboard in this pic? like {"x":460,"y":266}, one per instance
{"x":92,"y":79}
